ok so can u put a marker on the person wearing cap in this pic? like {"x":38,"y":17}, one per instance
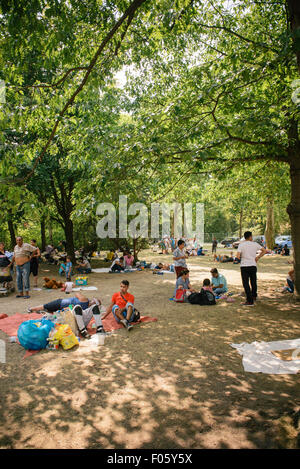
{"x":219,"y":282}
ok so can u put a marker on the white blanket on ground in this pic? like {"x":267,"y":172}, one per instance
{"x":103,"y":269}
{"x":107,"y":269}
{"x":258,"y":357}
{"x":84,"y":288}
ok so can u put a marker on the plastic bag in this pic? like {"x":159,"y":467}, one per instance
{"x":33,"y":334}
{"x":67,"y":317}
{"x":65,"y":336}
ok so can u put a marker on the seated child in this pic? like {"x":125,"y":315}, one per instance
{"x":118,"y":265}
{"x":207,"y":285}
{"x":68,"y":287}
{"x":290,"y":282}
{"x":62,"y":268}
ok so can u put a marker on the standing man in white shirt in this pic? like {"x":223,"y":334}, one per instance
{"x":247,"y":253}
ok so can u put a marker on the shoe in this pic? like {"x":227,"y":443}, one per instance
{"x":124,"y":322}
{"x":247,"y":304}
{"x":85,"y":334}
{"x":77,"y":309}
{"x":129,"y":326}
{"x":100,"y":330}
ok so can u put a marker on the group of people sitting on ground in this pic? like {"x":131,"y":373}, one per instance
{"x":83,"y":266}
{"x":216,"y":285}
{"x":248,"y":253}
{"x":282,"y":250}
{"x":122,"y":307}
{"x":120,"y":263}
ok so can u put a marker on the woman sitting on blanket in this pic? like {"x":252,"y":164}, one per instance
{"x":183,"y":282}
{"x":129,"y":259}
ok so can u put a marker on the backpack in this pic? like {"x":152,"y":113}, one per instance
{"x":180,"y":295}
{"x":203,"y":298}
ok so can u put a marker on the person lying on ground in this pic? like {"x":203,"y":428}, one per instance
{"x":84,"y":267}
{"x":122,"y":306}
{"x":207,"y":285}
{"x":56,"y":305}
{"x":219,"y":283}
{"x":161,"y":266}
{"x":290,"y":282}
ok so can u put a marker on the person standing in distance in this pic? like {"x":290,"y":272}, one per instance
{"x":214,"y":246}
{"x":247,"y":253}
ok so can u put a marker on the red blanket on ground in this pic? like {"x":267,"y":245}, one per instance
{"x":11,"y":324}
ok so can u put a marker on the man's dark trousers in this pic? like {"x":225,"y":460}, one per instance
{"x":249,"y":274}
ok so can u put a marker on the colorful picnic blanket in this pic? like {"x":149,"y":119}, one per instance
{"x":11,"y":324}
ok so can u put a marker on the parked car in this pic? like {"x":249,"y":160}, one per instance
{"x":259,"y":239}
{"x":281,"y":239}
{"x":229,"y":241}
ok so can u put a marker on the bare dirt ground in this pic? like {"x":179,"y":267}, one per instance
{"x":174,"y":383}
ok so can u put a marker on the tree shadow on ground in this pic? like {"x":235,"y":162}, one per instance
{"x":176,"y":383}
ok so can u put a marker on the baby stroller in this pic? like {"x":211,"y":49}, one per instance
{"x":6,"y":282}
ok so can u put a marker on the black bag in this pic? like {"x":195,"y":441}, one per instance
{"x":203,"y":298}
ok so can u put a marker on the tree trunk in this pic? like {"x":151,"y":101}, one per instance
{"x":11,"y":232}
{"x":43,"y":234}
{"x":294,"y":20}
{"x":135,"y":253}
{"x":241,"y":223}
{"x":50,"y":232}
{"x":69,"y":233}
{"x":270,"y":226}
{"x":294,"y":213}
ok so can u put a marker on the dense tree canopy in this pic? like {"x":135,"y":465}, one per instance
{"x":208,"y":112}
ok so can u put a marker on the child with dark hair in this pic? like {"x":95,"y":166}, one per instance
{"x":122,"y":306}
{"x":207,"y":285}
{"x":68,"y":268}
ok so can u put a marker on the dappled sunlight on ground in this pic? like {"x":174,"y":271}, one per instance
{"x":175,"y":383}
